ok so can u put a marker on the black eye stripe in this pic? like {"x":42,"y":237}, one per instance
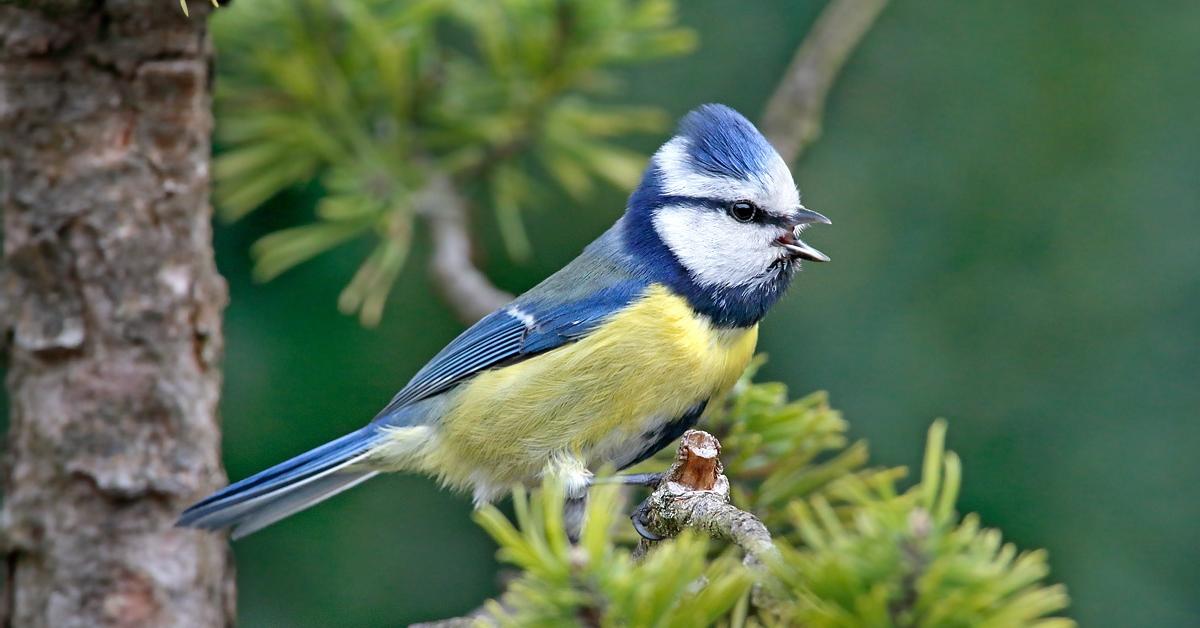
{"x":722,"y":205}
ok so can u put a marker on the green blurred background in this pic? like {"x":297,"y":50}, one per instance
{"x":1015,"y":188}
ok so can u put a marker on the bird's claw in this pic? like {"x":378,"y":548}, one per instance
{"x":638,"y":518}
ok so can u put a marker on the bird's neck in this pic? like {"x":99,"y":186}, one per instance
{"x":725,"y":306}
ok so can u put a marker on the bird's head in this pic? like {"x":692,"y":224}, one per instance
{"x":723,"y":201}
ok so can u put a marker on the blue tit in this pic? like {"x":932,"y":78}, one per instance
{"x":604,"y":363}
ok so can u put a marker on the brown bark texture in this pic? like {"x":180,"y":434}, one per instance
{"x":694,"y":493}
{"x":111,"y":304}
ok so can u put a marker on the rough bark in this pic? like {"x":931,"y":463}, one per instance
{"x":694,"y":493}
{"x":113,"y":310}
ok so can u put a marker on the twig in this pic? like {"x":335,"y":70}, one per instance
{"x":467,"y":621}
{"x":793,"y":116}
{"x":695,"y":494}
{"x":791,"y":122}
{"x":465,"y":288}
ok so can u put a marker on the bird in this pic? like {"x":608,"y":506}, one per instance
{"x":599,"y":366}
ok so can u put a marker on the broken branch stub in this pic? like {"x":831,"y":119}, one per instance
{"x":694,"y":493}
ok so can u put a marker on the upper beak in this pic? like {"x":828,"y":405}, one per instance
{"x":806,"y":216}
{"x":799,"y":248}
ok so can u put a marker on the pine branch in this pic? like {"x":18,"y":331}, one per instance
{"x":465,"y":621}
{"x":847,"y":546}
{"x":464,"y":287}
{"x":792,"y":121}
{"x":793,"y":116}
{"x":482,"y":109}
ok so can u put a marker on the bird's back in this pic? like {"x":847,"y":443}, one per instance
{"x":602,"y":396}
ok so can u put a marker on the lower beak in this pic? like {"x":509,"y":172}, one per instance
{"x":799,"y":248}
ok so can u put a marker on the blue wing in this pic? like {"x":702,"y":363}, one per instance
{"x":497,"y":337}
{"x":563,"y":308}
{"x":523,"y":329}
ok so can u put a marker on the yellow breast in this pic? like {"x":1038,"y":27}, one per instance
{"x":654,"y":359}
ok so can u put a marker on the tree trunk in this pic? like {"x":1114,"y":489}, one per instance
{"x":112,"y":305}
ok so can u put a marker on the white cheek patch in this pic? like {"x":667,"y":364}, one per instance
{"x":772,"y":189}
{"x":715,"y":249}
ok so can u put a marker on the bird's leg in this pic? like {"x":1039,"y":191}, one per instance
{"x":575,"y":478}
{"x":574,"y":509}
{"x":576,"y":503}
{"x":649,"y":480}
{"x":638,"y":517}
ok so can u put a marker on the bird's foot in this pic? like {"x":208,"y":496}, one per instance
{"x":641,"y":522}
{"x":638,"y":518}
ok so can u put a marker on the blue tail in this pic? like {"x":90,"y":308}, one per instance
{"x":286,"y":488}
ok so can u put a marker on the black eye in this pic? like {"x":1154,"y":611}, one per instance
{"x":743,"y":211}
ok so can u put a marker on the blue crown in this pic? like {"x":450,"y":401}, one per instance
{"x":723,"y":142}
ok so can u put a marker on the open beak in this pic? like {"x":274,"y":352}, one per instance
{"x":799,"y":248}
